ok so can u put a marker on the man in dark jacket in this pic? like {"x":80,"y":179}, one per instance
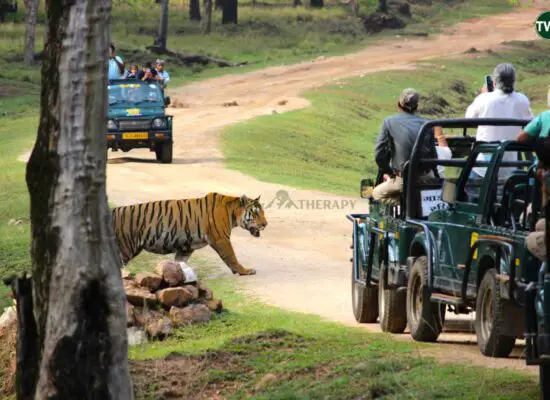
{"x":394,"y":146}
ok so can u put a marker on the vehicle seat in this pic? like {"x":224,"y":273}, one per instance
{"x":514,"y":195}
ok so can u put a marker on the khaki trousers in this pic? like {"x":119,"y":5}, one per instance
{"x":536,"y":241}
{"x":389,"y":192}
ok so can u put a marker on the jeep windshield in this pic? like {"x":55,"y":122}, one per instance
{"x":132,"y":94}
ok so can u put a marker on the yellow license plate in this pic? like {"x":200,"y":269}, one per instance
{"x":135,"y":135}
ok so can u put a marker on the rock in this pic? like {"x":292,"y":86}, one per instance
{"x":215,"y":305}
{"x":160,"y":329}
{"x":149,"y":280}
{"x":8,"y":317}
{"x":136,"y":336}
{"x":130,"y":316}
{"x":268,"y":379}
{"x":140,"y":297}
{"x":177,"y":296}
{"x":145,"y":317}
{"x":171,"y":272}
{"x":192,"y":314}
{"x":125,"y":274}
{"x":282,"y":102}
{"x":193,"y":290}
{"x":204,"y":292}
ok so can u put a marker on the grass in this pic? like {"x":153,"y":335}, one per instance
{"x":309,"y":358}
{"x":329,"y":146}
{"x":270,"y":33}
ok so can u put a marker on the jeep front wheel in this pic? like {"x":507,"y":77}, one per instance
{"x":164,"y":153}
{"x":391,"y":308}
{"x":364,"y":300}
{"x":425,"y":318}
{"x":489,"y":318}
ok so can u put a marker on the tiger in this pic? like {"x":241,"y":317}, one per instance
{"x":185,"y":225}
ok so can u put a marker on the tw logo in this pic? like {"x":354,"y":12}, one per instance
{"x":542,"y":25}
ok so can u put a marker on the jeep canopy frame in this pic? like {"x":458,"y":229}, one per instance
{"x":416,"y":161}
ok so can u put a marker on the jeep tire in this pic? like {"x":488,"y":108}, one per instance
{"x":391,"y":307}
{"x":489,"y":318}
{"x":164,"y":153}
{"x":364,"y":300}
{"x":425,"y":318}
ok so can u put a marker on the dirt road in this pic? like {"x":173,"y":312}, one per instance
{"x":302,"y":258}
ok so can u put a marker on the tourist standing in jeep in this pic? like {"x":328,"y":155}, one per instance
{"x":116,"y":64}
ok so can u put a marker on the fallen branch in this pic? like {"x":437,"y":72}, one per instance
{"x":194,"y":58}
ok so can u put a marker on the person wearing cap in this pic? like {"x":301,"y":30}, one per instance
{"x":163,"y":76}
{"x":503,"y":102}
{"x":394,"y":146}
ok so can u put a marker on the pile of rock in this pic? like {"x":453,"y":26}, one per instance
{"x":166,"y":299}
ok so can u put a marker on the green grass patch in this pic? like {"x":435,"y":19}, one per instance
{"x":235,"y":355}
{"x":269,"y":33}
{"x":329,"y":146}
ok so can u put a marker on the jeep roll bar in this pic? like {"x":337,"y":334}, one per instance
{"x":415,"y":161}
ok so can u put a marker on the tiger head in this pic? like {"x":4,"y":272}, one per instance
{"x":250,"y":215}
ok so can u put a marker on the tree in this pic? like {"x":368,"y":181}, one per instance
{"x":162,"y":37}
{"x":207,"y":22}
{"x":218,"y":5}
{"x":316,"y":3}
{"x":194,"y":10}
{"x":296,"y":3}
{"x":383,"y":6}
{"x":31,"y":9}
{"x":229,"y":11}
{"x":72,"y":336}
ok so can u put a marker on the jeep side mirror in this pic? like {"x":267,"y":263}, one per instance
{"x":449,"y":192}
{"x":167,"y":100}
{"x":367,"y":186}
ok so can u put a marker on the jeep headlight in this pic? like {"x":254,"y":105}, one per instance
{"x":159,"y":123}
{"x":111,"y":125}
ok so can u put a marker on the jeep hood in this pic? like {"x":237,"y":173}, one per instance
{"x":123,"y":112}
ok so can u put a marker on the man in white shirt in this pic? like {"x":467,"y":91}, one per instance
{"x":503,"y":102}
{"x":116,"y":65}
{"x":163,"y":76}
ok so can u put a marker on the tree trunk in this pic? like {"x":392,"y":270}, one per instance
{"x":80,"y":347}
{"x":163,"y":26}
{"x":31,"y":9}
{"x":383,"y":6}
{"x":355,"y":7}
{"x":316,"y":3}
{"x":194,"y":10}
{"x":207,"y":21}
{"x":296,"y":3}
{"x":229,"y":15}
{"x":218,"y":5}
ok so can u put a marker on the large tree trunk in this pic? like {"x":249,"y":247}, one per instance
{"x":31,"y":9}
{"x":207,"y":21}
{"x":383,"y":6}
{"x":229,"y":15}
{"x":163,"y":26}
{"x":316,"y":3}
{"x":296,"y":3}
{"x":80,"y":347}
{"x":194,"y":10}
{"x":218,"y":5}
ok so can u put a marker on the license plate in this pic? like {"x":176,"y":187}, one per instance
{"x":135,"y":135}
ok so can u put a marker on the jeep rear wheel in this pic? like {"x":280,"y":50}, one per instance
{"x":164,"y":153}
{"x":425,"y":318}
{"x":489,"y":318}
{"x":364,"y":301}
{"x":391,"y":308}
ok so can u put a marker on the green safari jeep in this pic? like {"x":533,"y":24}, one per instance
{"x":456,"y":242}
{"x":137,"y":118}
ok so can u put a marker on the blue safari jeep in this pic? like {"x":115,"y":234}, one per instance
{"x":137,"y":118}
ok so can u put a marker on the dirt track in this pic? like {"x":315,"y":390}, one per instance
{"x":302,"y":258}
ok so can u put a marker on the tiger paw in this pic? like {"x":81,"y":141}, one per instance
{"x":249,"y":271}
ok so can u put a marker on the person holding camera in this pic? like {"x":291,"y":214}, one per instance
{"x":500,"y":101}
{"x":148,"y":73}
{"x":116,"y":65}
{"x":162,"y":75}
